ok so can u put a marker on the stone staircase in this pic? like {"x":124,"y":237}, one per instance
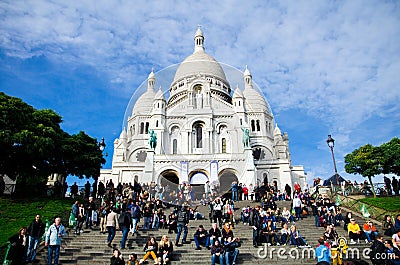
{"x":91,"y":247}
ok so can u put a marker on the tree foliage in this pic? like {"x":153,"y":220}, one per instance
{"x":369,"y":161}
{"x":33,"y":145}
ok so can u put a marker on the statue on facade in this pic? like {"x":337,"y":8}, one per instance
{"x":246,"y":137}
{"x":153,"y":139}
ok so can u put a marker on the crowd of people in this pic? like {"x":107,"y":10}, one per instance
{"x":124,"y":206}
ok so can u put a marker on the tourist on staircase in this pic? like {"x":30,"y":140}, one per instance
{"x":215,"y":234}
{"x":111,"y":225}
{"x":165,"y":248}
{"x":201,"y":237}
{"x":182,"y":224}
{"x":117,"y":258}
{"x":150,"y":249}
{"x":354,"y":231}
{"x":231,"y":246}
{"x":217,"y":253}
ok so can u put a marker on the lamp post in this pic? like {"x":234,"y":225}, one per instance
{"x":331,"y":144}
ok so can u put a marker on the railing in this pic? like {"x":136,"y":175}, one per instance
{"x":361,"y":189}
{"x":6,"y":261}
{"x":354,"y":205}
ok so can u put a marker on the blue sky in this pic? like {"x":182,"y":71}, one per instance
{"x":325,"y":67}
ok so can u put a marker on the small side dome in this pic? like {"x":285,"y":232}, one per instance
{"x":159,"y":95}
{"x":144,"y":103}
{"x":238,"y":93}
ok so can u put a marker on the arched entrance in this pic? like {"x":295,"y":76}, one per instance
{"x":226,"y":177}
{"x":197,"y":181}
{"x":170,"y":181}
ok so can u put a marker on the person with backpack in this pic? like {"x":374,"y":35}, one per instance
{"x":182,"y":224}
{"x":135,"y":216}
{"x":124,"y":221}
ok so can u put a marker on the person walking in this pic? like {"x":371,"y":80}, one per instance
{"x":112,"y":225}
{"x":35,"y":231}
{"x":53,"y":240}
{"x":124,"y":221}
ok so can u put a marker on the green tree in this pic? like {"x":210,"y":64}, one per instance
{"x":364,"y":161}
{"x":390,"y":157}
{"x":33,"y":145}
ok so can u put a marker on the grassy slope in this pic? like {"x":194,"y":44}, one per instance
{"x":391,"y":204}
{"x":17,"y":213}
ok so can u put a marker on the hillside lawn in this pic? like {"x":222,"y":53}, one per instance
{"x":391,"y":204}
{"x":17,"y":213}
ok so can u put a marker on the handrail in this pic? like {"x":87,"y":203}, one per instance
{"x":7,"y":262}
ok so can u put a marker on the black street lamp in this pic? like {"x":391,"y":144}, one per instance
{"x":331,"y":144}
{"x":102,"y":144}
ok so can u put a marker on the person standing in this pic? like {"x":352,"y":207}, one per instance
{"x":18,"y":247}
{"x":74,"y":190}
{"x":182,"y":224}
{"x":53,"y":240}
{"x":395,"y":184}
{"x":136,"y":213}
{"x":35,"y":232}
{"x":90,"y":207}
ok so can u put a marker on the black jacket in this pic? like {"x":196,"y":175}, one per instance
{"x":35,"y":229}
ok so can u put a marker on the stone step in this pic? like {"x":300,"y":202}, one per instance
{"x":90,"y":247}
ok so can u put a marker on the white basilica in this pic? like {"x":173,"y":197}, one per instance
{"x":204,"y":130}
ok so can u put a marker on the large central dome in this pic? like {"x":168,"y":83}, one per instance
{"x":199,"y":62}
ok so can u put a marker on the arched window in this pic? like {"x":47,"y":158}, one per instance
{"x":197,"y":133}
{"x":156,"y":123}
{"x":174,"y":146}
{"x":141,"y":127}
{"x":147,"y":128}
{"x":258,"y":125}
{"x":223,"y":149}
{"x":241,"y":122}
{"x":199,"y":136}
{"x":253,"y":127}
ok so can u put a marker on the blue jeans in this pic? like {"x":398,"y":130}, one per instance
{"x":202,"y":241}
{"x":147,"y":223}
{"x":215,"y":257}
{"x":134,"y":224}
{"x":31,"y":253}
{"x":316,"y":220}
{"x":234,"y":195}
{"x":297,"y":211}
{"x":231,"y":254}
{"x":125,"y":231}
{"x":111,"y":233}
{"x":185,"y":232}
{"x":56,"y":250}
{"x":89,"y":219}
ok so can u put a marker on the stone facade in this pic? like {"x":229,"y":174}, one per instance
{"x":203,"y":131}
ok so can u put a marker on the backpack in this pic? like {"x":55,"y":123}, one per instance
{"x":181,"y":217}
{"x":135,"y":212}
{"x":122,"y":219}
